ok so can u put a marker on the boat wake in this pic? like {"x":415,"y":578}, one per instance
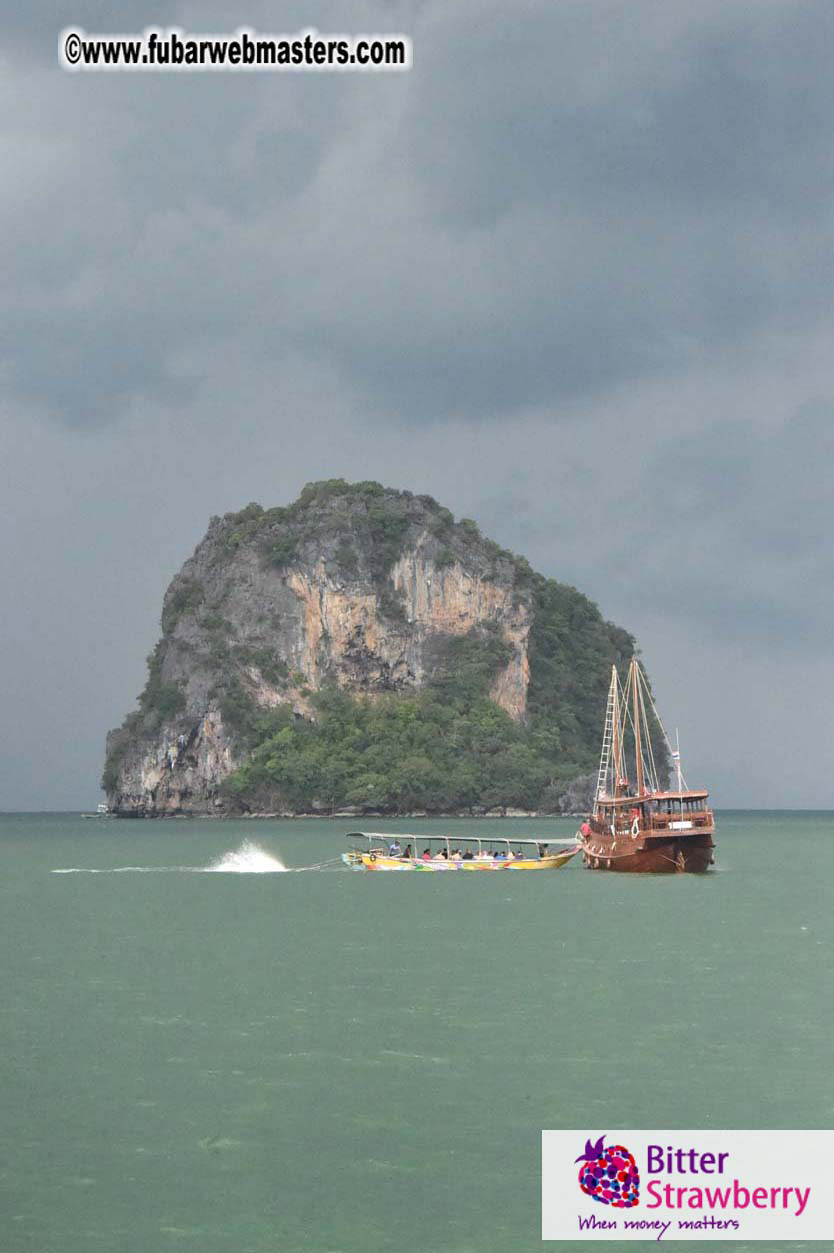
{"x":249,"y":858}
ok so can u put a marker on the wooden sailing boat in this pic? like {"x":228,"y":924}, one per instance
{"x":642,"y":827}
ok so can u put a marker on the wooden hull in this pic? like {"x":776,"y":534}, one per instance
{"x":660,"y":854}
{"x":377,"y":861}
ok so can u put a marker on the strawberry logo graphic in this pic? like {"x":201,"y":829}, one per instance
{"x":609,"y":1175}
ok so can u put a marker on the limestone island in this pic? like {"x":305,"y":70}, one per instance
{"x":362,"y":652}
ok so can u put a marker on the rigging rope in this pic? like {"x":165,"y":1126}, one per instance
{"x":652,"y":768}
{"x":663,"y":729}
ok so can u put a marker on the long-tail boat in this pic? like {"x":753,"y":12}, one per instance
{"x":376,"y":850}
{"x":639,"y":825}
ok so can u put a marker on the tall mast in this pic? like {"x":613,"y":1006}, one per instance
{"x":677,"y":756}
{"x":616,"y":733}
{"x":638,"y":751}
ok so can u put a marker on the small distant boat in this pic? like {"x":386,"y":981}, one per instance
{"x":643,"y":827}
{"x":102,"y":811}
{"x":377,"y":850}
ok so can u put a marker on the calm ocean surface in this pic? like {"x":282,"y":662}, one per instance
{"x":329,"y":1061}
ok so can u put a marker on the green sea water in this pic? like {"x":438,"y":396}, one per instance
{"x":330,"y":1061}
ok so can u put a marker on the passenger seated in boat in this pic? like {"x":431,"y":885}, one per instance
{"x":394,"y":849}
{"x":443,"y":854}
{"x":426,"y":854}
{"x":457,"y":855}
{"x":407,"y":853}
{"x":500,"y":855}
{"x":468,"y":855}
{"x":518,"y":854}
{"x":482,"y":855}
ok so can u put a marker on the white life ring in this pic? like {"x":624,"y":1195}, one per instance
{"x":635,"y":827}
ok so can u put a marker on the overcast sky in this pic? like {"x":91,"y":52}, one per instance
{"x":571,"y":275}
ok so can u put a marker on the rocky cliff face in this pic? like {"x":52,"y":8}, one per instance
{"x":357,"y":587}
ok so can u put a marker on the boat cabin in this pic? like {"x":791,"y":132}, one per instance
{"x":656,"y":811}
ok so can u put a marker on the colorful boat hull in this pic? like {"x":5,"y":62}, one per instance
{"x":379,"y":861}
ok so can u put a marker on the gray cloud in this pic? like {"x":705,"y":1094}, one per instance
{"x":571,"y":275}
{"x":734,"y":525}
{"x":552,"y":204}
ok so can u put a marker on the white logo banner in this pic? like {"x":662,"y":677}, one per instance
{"x":687,"y":1185}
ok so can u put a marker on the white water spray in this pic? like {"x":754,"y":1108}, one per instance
{"x":250,"y":858}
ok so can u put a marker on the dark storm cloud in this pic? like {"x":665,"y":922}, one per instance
{"x":571,"y":275}
{"x":621,"y":200}
{"x":698,"y":107}
{"x":563,"y":198}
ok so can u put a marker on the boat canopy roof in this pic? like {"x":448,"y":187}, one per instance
{"x":403,"y":837}
{"x":693,"y":795}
